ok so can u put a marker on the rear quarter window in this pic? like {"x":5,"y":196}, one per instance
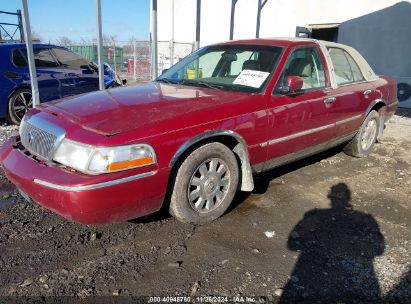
{"x":345,"y":68}
{"x":42,"y":58}
{"x":19,"y":59}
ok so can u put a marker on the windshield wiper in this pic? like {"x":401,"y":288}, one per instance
{"x":202,"y":84}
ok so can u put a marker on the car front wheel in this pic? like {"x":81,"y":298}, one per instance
{"x":19,"y":103}
{"x":361,"y":145}
{"x":205,"y":184}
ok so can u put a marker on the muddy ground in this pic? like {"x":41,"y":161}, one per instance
{"x":331,"y":228}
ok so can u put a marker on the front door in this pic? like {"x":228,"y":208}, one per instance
{"x":300,"y":120}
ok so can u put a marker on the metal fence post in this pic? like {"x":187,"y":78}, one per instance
{"x":259,"y":9}
{"x":134,"y":61}
{"x":198,"y":25}
{"x":153,"y":37}
{"x":30,"y":55}
{"x":233,"y":3}
{"x":114,"y":57}
{"x":100,"y":46}
{"x":172,"y":35}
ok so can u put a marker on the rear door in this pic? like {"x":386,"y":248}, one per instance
{"x":300,"y":120}
{"x":78,"y":69}
{"x":353,"y":93}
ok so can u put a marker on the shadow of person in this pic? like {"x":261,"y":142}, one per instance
{"x":337,"y":247}
{"x":401,"y":292}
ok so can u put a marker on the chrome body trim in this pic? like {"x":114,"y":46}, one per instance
{"x":340,"y":122}
{"x":95,"y":186}
{"x":247,"y":182}
{"x":309,"y":131}
{"x":288,"y":158}
{"x":46,"y":127}
{"x":295,"y":135}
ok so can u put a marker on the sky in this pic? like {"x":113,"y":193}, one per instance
{"x":76,"y":19}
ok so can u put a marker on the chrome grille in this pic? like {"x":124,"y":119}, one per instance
{"x":40,"y":137}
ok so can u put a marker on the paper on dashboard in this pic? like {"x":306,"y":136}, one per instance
{"x":251,"y":78}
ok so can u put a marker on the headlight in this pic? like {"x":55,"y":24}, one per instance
{"x":97,"y":160}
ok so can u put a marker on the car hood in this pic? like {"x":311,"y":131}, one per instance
{"x":153,"y":107}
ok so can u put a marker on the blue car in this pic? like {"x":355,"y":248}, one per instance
{"x":60,"y":73}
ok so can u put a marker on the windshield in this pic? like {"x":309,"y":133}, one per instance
{"x":245,"y":68}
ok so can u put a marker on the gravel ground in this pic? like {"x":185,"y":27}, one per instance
{"x":328,"y":229}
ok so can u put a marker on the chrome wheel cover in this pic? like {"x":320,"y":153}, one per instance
{"x":369,"y":134}
{"x":209,"y":185}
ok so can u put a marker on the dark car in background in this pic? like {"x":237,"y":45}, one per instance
{"x":60,"y":73}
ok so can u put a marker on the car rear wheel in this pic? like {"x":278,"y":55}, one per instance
{"x":19,"y":103}
{"x":361,"y":145}
{"x":205,"y":184}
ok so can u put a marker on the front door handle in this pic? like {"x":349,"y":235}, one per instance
{"x":329,"y":100}
{"x":367,"y":92}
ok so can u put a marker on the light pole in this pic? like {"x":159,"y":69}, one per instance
{"x":100,"y":46}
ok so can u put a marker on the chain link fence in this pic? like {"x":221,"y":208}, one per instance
{"x":138,"y":57}
{"x":130,"y":59}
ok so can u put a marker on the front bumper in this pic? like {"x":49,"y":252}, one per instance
{"x":82,"y":198}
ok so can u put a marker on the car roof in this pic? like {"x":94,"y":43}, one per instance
{"x":283,"y":41}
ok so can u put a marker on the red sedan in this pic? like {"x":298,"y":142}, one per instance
{"x":199,"y":132}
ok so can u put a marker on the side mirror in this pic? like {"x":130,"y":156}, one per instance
{"x":124,"y":81}
{"x":293,"y":85}
{"x":163,"y":71}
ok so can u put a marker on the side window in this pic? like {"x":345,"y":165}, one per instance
{"x":70,"y":59}
{"x":18,"y":59}
{"x":305,"y":63}
{"x":43,"y":58}
{"x":356,"y":72}
{"x":346,"y":69}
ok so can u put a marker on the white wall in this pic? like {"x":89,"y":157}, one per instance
{"x":279,"y":18}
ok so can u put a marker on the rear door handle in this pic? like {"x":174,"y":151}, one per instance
{"x":367,"y":92}
{"x":329,"y":100}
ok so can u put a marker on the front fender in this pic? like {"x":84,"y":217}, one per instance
{"x":247,"y":181}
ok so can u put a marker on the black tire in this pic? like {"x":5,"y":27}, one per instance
{"x":218,"y":185}
{"x":17,"y":107}
{"x":362,"y":144}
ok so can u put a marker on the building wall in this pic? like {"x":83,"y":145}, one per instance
{"x":279,"y":18}
{"x":383,"y":37}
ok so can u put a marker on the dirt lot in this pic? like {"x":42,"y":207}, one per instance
{"x":330,"y":229}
